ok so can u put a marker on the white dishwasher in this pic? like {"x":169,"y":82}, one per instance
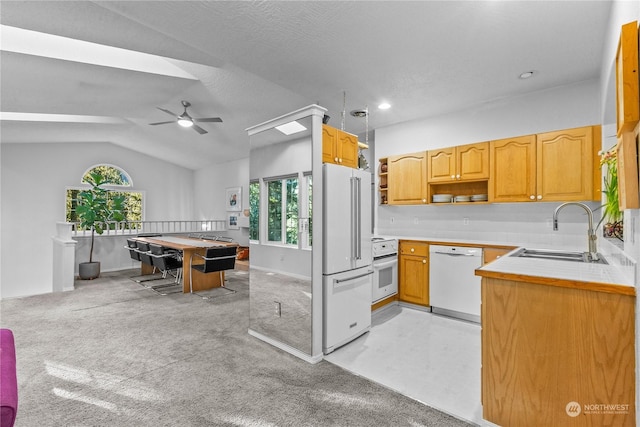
{"x":454,"y":289}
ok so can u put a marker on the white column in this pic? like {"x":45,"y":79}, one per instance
{"x":64,"y":257}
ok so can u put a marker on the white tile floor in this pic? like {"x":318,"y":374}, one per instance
{"x":430,"y":358}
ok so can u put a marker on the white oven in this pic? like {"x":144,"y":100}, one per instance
{"x":385,"y":268}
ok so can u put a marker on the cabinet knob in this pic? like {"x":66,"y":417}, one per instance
{"x":424,"y":261}
{"x":413,"y":250}
{"x":335,"y":159}
{"x":339,"y":160}
{"x":458,"y":176}
{"x":532,"y":197}
{"x":453,"y":177}
{"x":539,"y":197}
{"x":424,"y":200}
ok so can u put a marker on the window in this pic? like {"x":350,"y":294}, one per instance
{"x":254,"y":210}
{"x":118,"y":181}
{"x":288,"y":207}
{"x":282,"y":210}
{"x":309,"y":233}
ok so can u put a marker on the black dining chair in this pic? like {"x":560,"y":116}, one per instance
{"x":216,"y":259}
{"x":166,"y":260}
{"x":144,"y":251}
{"x":132,"y":246}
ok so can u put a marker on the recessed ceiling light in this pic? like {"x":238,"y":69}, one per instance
{"x":291,"y":128}
{"x":526,"y":75}
{"x":384,"y":106}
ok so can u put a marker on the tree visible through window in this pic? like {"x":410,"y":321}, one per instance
{"x":254,"y":210}
{"x":289,"y":210}
{"x":117,"y":179}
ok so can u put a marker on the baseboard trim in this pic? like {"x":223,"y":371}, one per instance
{"x":293,"y":351}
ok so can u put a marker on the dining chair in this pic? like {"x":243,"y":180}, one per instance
{"x":216,"y":259}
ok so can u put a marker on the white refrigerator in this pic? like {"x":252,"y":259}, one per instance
{"x":346,"y":255}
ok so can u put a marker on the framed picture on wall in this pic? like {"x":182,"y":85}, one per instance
{"x":234,"y":199}
{"x":232,"y":221}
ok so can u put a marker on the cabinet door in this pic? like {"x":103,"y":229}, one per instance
{"x":491,"y":254}
{"x":627,"y":154}
{"x":472,"y":161}
{"x":565,"y":165}
{"x":347,"y":149}
{"x":407,"y":179}
{"x":627,"y":86}
{"x":329,"y":144}
{"x":442,"y":164}
{"x":513,"y":169}
{"x":413,"y":286}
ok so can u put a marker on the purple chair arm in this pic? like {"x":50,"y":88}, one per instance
{"x":8,"y":379}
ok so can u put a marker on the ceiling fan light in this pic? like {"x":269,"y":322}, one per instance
{"x":184,"y":122}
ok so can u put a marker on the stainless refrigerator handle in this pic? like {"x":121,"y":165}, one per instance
{"x":353,"y":221}
{"x":349,"y":279}
{"x":359,"y":219}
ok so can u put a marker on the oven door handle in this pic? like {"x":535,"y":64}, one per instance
{"x":379,"y":265}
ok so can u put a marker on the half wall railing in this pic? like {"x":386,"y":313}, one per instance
{"x":132,"y":228}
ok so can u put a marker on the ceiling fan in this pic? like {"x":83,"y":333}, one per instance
{"x":186,"y":120}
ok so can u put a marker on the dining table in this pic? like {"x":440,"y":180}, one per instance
{"x":189,"y":247}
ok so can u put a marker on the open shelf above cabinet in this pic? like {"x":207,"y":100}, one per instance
{"x":472,"y":188}
{"x":382,"y":181}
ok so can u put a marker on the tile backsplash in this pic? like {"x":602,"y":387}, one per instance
{"x":509,"y":223}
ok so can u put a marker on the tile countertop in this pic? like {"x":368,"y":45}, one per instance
{"x":618,"y":276}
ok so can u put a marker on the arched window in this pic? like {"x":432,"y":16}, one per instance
{"x":119,"y":181}
{"x":117,"y":177}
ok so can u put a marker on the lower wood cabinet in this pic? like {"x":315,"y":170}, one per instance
{"x":413,"y":283}
{"x":491,"y":254}
{"x":557,"y":356}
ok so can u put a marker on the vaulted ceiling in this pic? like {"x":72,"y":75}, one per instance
{"x":250,"y":61}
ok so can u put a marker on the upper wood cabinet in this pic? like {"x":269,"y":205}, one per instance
{"x":564,"y":165}
{"x":627,"y":155}
{"x":513,"y":169}
{"x":461,"y":163}
{"x":407,"y":179}
{"x":627,"y":84}
{"x":339,"y":147}
{"x":552,"y":166}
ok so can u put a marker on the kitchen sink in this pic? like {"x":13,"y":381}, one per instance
{"x":558,"y":255}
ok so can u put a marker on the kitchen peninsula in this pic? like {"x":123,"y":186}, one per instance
{"x":558,"y":343}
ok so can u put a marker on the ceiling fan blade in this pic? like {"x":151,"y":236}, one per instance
{"x":199,"y":129}
{"x":167,"y":111}
{"x":163,"y":123}
{"x":208,"y":119}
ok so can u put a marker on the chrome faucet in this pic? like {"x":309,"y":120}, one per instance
{"x":591,"y":235}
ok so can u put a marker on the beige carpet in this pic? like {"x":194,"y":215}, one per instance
{"x":115,"y":353}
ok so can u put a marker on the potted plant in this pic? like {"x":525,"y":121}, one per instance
{"x":611,"y":215}
{"x":96,"y":207}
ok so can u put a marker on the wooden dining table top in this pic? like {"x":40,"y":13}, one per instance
{"x":182,"y":243}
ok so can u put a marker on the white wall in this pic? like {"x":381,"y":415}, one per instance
{"x":209,"y":193}
{"x":553,"y":109}
{"x":34,"y":178}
